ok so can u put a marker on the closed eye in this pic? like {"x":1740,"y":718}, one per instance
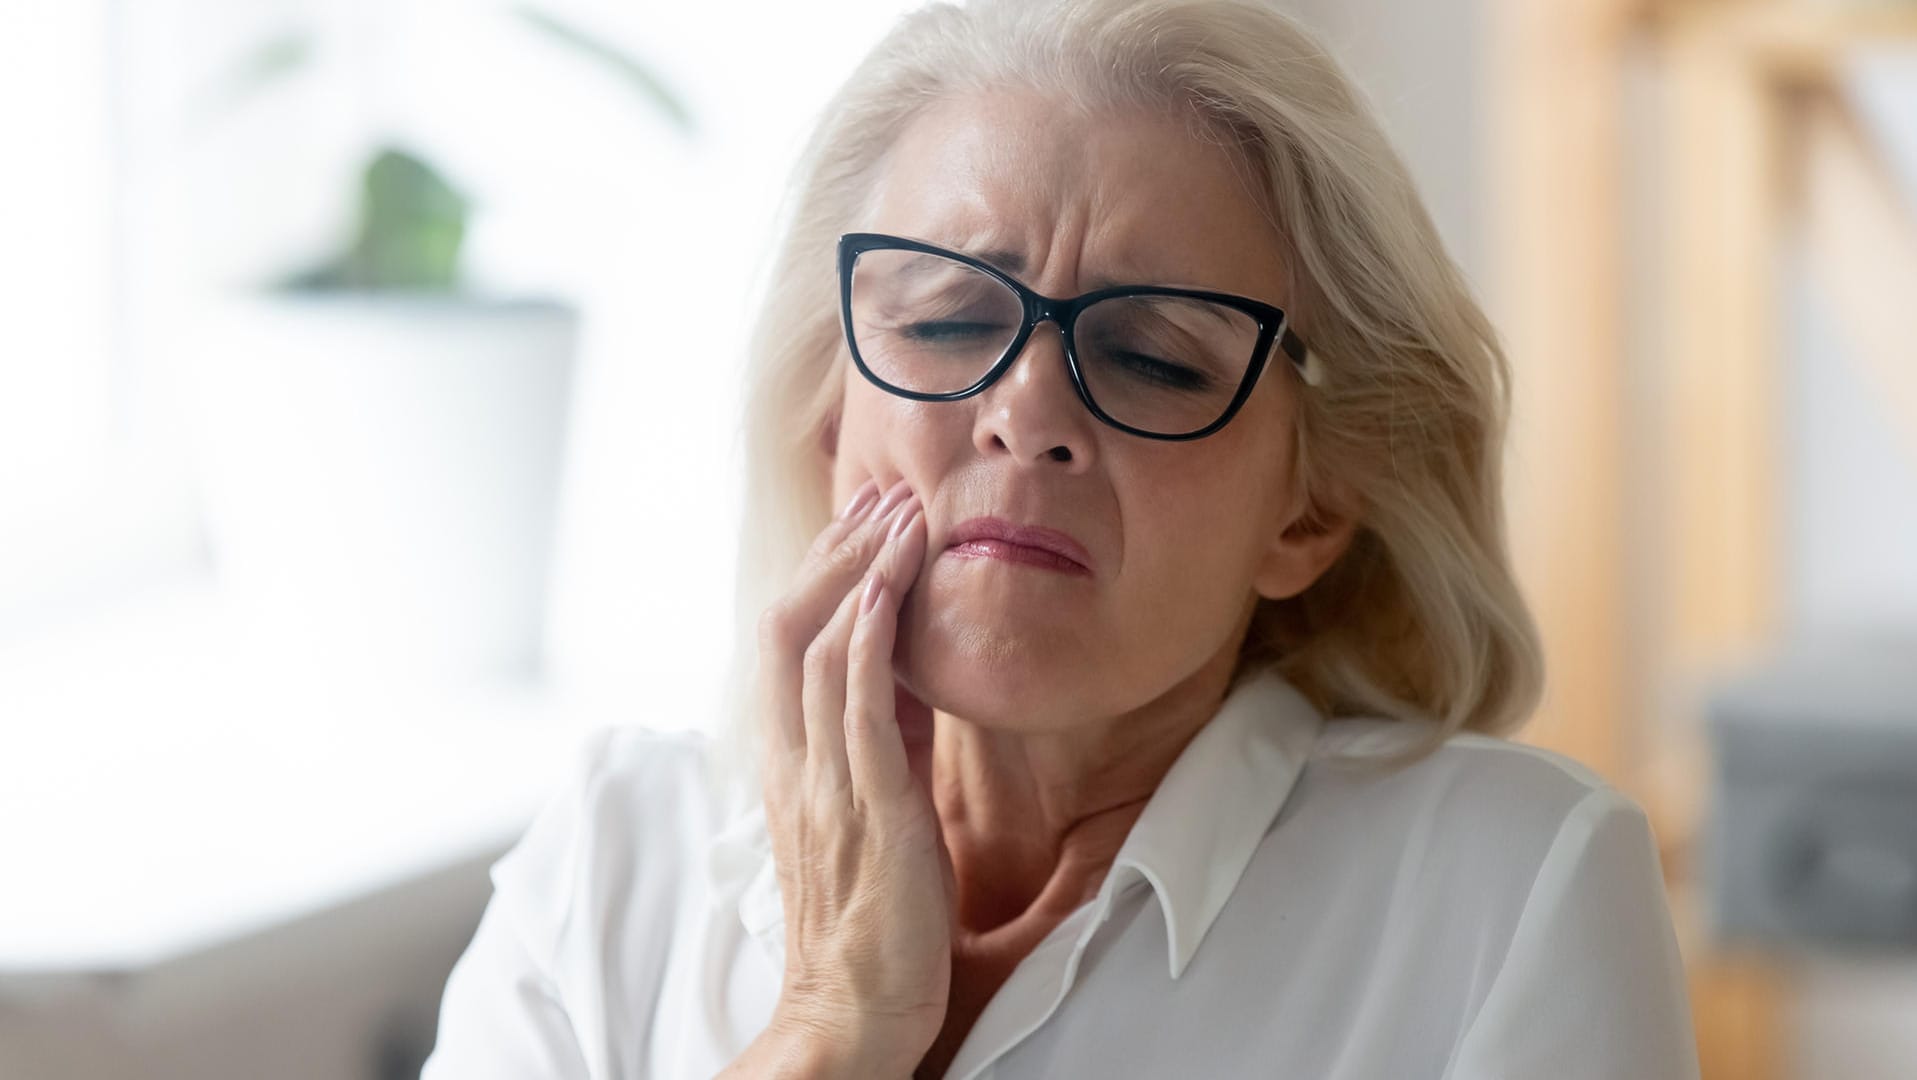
{"x":950,"y":330}
{"x":1162,"y":372}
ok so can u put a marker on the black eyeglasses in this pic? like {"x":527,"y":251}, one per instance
{"x":931,"y":324}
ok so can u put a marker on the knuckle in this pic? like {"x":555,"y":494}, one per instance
{"x":825,"y":788}
{"x":860,"y":718}
{"x":846,"y":556}
{"x":777,"y":627}
{"x":822,"y":657}
{"x":831,"y":536}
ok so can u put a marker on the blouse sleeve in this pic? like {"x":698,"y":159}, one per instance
{"x":503,"y":1016}
{"x":1592,"y":986}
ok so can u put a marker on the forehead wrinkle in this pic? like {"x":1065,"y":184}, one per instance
{"x":1012,"y":260}
{"x":995,"y":244}
{"x":964,"y":173}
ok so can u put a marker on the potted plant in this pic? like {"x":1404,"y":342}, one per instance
{"x":380,"y":445}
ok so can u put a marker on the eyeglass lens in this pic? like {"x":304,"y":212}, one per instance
{"x":1163,"y":364}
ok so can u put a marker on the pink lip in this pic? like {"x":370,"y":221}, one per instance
{"x":1031,"y":545}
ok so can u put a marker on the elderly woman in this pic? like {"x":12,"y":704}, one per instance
{"x":1136,"y":715}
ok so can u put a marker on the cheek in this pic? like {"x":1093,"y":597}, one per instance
{"x":865,"y":435}
{"x":887,"y":436}
{"x":1180,"y":566}
{"x":1193,"y":544}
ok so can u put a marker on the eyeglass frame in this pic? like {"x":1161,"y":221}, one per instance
{"x":1063,"y":312}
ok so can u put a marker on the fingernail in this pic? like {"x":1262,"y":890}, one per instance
{"x":860,"y":499}
{"x":874,"y":584}
{"x":894,"y":497}
{"x":903,"y":523}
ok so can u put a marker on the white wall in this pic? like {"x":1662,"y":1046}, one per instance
{"x":1421,"y":65}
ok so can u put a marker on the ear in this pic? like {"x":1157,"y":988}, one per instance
{"x":1303,"y":547}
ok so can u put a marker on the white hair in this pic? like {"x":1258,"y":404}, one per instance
{"x":1420,"y":618}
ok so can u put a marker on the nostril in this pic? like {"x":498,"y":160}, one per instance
{"x":1060,"y":453}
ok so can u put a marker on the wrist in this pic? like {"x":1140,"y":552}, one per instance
{"x":822,"y":1050}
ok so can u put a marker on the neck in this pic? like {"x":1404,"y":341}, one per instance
{"x":1034,"y":820}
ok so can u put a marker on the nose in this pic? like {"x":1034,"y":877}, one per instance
{"x":1033,"y":411}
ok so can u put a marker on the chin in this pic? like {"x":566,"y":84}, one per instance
{"x":991,"y":678}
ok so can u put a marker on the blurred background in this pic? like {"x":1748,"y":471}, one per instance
{"x":368,"y":394}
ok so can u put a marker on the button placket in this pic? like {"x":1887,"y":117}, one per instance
{"x":1029,"y":997}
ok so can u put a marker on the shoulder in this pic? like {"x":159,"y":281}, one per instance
{"x":577,"y":950}
{"x":1481,"y":850}
{"x":623,"y":769}
{"x":1482,"y":778}
{"x":628,"y":781}
{"x":633,"y":800}
{"x":1470,"y":888}
{"x":1477,"y":810}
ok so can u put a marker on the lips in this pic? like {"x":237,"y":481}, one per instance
{"x":1033,"y":545}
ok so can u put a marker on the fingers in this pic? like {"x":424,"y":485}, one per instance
{"x":875,"y":750}
{"x":788,"y":627}
{"x":824,"y":700}
{"x":825,"y":666}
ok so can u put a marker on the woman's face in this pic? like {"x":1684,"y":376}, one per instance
{"x":1181,"y":536}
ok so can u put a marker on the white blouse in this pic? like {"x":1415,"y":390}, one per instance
{"x":1491,"y":911}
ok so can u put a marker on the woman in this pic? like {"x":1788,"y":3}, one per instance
{"x":1136,"y":714}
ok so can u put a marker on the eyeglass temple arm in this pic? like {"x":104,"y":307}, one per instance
{"x":1310,"y":368}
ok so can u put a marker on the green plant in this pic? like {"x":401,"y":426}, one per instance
{"x":411,"y":224}
{"x":411,"y":220}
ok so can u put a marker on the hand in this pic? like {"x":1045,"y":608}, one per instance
{"x":865,"y":877}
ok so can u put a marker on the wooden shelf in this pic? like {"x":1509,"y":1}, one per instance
{"x":1787,"y":43}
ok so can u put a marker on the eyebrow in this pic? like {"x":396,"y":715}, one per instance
{"x":1013,"y":262}
{"x":1003,"y":258}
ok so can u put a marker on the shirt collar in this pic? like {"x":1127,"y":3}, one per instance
{"x":1192,"y":842}
{"x":1201,"y":827}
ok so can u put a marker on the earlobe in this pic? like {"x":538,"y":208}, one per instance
{"x":1302,"y":551}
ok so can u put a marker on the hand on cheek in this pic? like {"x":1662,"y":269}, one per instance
{"x":865,"y":878}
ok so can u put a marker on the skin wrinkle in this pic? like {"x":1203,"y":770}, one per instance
{"x":1060,"y":701}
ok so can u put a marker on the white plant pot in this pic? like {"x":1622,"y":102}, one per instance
{"x":380,"y":476}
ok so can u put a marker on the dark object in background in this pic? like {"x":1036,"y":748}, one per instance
{"x":1812,"y":840}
